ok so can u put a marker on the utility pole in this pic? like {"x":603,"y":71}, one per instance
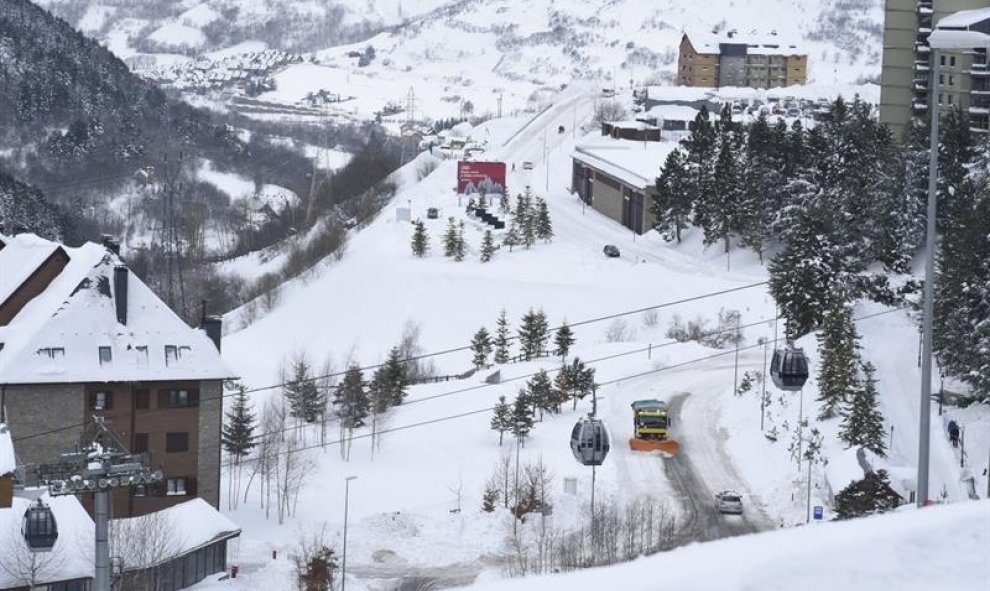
{"x":500,"y":106}
{"x":343,"y":565}
{"x":101,"y":465}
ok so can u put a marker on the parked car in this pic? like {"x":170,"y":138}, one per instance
{"x":432,"y":213}
{"x":729,"y":501}
{"x":611,"y":251}
{"x":527,"y":165}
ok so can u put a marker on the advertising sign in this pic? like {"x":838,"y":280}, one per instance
{"x":481,"y":177}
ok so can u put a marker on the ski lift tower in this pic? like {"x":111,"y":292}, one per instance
{"x":100,"y":465}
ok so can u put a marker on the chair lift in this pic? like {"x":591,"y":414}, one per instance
{"x":789,"y":368}
{"x":590,"y":441}
{"x":39,"y":528}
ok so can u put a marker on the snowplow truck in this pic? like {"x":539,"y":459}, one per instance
{"x":651,"y":428}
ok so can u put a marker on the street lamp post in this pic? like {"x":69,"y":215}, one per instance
{"x":343,"y":564}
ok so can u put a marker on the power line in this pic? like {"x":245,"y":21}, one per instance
{"x":491,"y":408}
{"x":419,"y":357}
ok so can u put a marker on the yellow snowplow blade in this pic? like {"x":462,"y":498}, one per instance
{"x":668,"y":447}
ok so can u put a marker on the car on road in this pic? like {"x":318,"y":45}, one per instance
{"x":432,"y":213}
{"x":611,"y":251}
{"x":527,"y":165}
{"x":729,"y":501}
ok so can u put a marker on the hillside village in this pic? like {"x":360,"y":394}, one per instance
{"x":547,"y":329}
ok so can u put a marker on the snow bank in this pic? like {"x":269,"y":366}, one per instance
{"x":939,"y":548}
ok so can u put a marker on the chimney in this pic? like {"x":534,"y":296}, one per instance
{"x":213,"y":326}
{"x":111,"y":243}
{"x":120,"y":292}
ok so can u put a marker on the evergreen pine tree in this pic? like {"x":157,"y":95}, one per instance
{"x":868,"y":496}
{"x":718,"y":207}
{"x":501,"y":418}
{"x":481,"y":346}
{"x":396,"y":378}
{"x":582,"y":380}
{"x":460,"y":248}
{"x":512,"y":234}
{"x":563,"y":385}
{"x":304,"y":397}
{"x":541,"y":393}
{"x":504,"y":206}
{"x":502,"y":338}
{"x":451,"y":239}
{"x":420,"y":240}
{"x":700,"y":146}
{"x":563,"y":340}
{"x":522,"y":416}
{"x":544,"y":228}
{"x":487,"y":247}
{"x":862,"y":424}
{"x":533,"y":334}
{"x":351,"y":399}
{"x":237,"y":436}
{"x":672,"y":204}
{"x":837,"y":371}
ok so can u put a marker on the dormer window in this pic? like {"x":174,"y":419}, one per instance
{"x":174,"y":353}
{"x":52,"y":353}
{"x":106,"y":355}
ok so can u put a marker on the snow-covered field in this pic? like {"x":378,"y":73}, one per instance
{"x":401,"y":522}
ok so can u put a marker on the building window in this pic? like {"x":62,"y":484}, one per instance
{"x":141,"y":355}
{"x":142,"y":399}
{"x":952,"y":80}
{"x":175,"y":487}
{"x":176,"y":442}
{"x":106,"y":355}
{"x":182,"y":398}
{"x":952,"y":61}
{"x":100,"y":400}
{"x":140,"y":490}
{"x":140,"y":443}
{"x":941,"y":60}
{"x":950,"y":99}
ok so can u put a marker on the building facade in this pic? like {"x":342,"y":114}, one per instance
{"x":713,"y":60}
{"x":93,"y":339}
{"x":905,"y":78}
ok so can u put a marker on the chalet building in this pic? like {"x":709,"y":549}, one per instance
{"x":616,"y":178}
{"x":81,"y":335}
{"x":714,"y":60}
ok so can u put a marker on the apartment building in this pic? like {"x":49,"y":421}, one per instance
{"x":81,"y":336}
{"x":964,"y":79}
{"x":717,"y":59}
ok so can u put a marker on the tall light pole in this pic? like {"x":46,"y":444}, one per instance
{"x":343,"y":563}
{"x":956,"y":31}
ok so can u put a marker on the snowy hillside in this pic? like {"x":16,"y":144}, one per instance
{"x":439,"y":452}
{"x":459,"y":58}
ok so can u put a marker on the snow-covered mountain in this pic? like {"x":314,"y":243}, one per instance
{"x":547,"y":40}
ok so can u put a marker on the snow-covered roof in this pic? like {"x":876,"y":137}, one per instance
{"x":756,"y":43}
{"x":680,"y":93}
{"x":188,"y":526}
{"x":7,"y":461}
{"x":964,"y":18}
{"x":56,"y":337}
{"x":672,"y":113}
{"x":639,"y":125}
{"x":634,"y":163}
{"x":71,"y":557}
{"x":19,"y":259}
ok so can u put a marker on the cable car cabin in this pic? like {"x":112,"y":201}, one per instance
{"x":789,"y":369}
{"x":589,"y":441}
{"x":39,"y":528}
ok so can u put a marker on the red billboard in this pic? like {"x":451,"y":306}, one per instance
{"x":481,"y":177}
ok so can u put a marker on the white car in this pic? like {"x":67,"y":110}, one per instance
{"x":729,"y":501}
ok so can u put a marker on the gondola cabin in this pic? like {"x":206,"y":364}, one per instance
{"x":789,"y":369}
{"x":39,"y":528}
{"x":590,"y":442}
